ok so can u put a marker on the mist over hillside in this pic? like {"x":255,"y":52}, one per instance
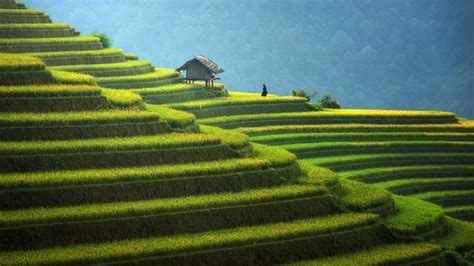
{"x":369,"y":54}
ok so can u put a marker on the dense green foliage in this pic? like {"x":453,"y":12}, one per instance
{"x":234,"y":139}
{"x":457,"y":239}
{"x":175,"y":118}
{"x":359,"y":197}
{"x":327,"y":101}
{"x":104,"y":38}
{"x":13,"y":62}
{"x":123,"y":98}
{"x":302,"y":93}
{"x":414,"y":217}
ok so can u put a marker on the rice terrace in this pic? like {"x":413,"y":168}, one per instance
{"x":108,"y":158}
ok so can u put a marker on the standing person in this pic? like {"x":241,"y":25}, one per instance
{"x":264,"y":91}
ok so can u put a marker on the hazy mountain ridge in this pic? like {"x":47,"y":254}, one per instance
{"x":369,"y":54}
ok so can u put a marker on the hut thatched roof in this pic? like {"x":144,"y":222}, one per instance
{"x":208,"y":63}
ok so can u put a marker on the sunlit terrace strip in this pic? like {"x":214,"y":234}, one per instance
{"x":161,"y":141}
{"x":51,"y":41}
{"x":13,"y":62}
{"x":113,"y":69}
{"x":75,"y":118}
{"x":48,"y":91}
{"x":462,"y":126}
{"x":332,"y":117}
{"x":161,"y":246}
{"x":155,"y":206}
{"x":391,"y":254}
{"x":266,"y":157}
{"x":235,"y":100}
{"x":373,"y":175}
{"x":35,"y":26}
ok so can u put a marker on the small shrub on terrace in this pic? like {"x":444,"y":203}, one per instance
{"x":104,"y":38}
{"x":302,"y":93}
{"x":329,"y":102}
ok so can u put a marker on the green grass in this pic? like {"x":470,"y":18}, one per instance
{"x":332,"y":117}
{"x":33,"y":91}
{"x":400,"y":185}
{"x":14,"y":62}
{"x":462,"y":126}
{"x":360,"y":136}
{"x":380,"y":174}
{"x":458,"y":237}
{"x":123,"y":98}
{"x":131,"y":57}
{"x":20,"y":12}
{"x":154,"y":206}
{"x":63,"y":77}
{"x":48,"y":41}
{"x":279,"y":156}
{"x":159,"y":74}
{"x":391,"y":254}
{"x":75,"y":118}
{"x":157,"y":78}
{"x":33,"y":27}
{"x":234,"y":139}
{"x":102,"y":176}
{"x":376,"y":145}
{"x":21,"y":26}
{"x":454,"y":209}
{"x":169,"y":88}
{"x":175,"y":92}
{"x":236,"y":100}
{"x":185,"y":243}
{"x":265,"y":157}
{"x":46,"y":55}
{"x":175,"y":118}
{"x":317,"y":176}
{"x":364,"y":161}
{"x":113,"y":69}
{"x":361,"y":197}
{"x":162,"y":141}
{"x":415,"y":217}
{"x":440,"y":195}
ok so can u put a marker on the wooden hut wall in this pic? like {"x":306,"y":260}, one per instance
{"x":197,"y":71}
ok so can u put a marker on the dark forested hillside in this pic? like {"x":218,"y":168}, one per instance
{"x":368,"y":54}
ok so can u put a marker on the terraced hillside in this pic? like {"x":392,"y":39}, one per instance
{"x":59,"y":45}
{"x":86,"y":183}
{"x":425,"y":154}
{"x":89,"y":176}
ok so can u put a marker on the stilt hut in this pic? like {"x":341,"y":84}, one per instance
{"x":201,"y":68}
